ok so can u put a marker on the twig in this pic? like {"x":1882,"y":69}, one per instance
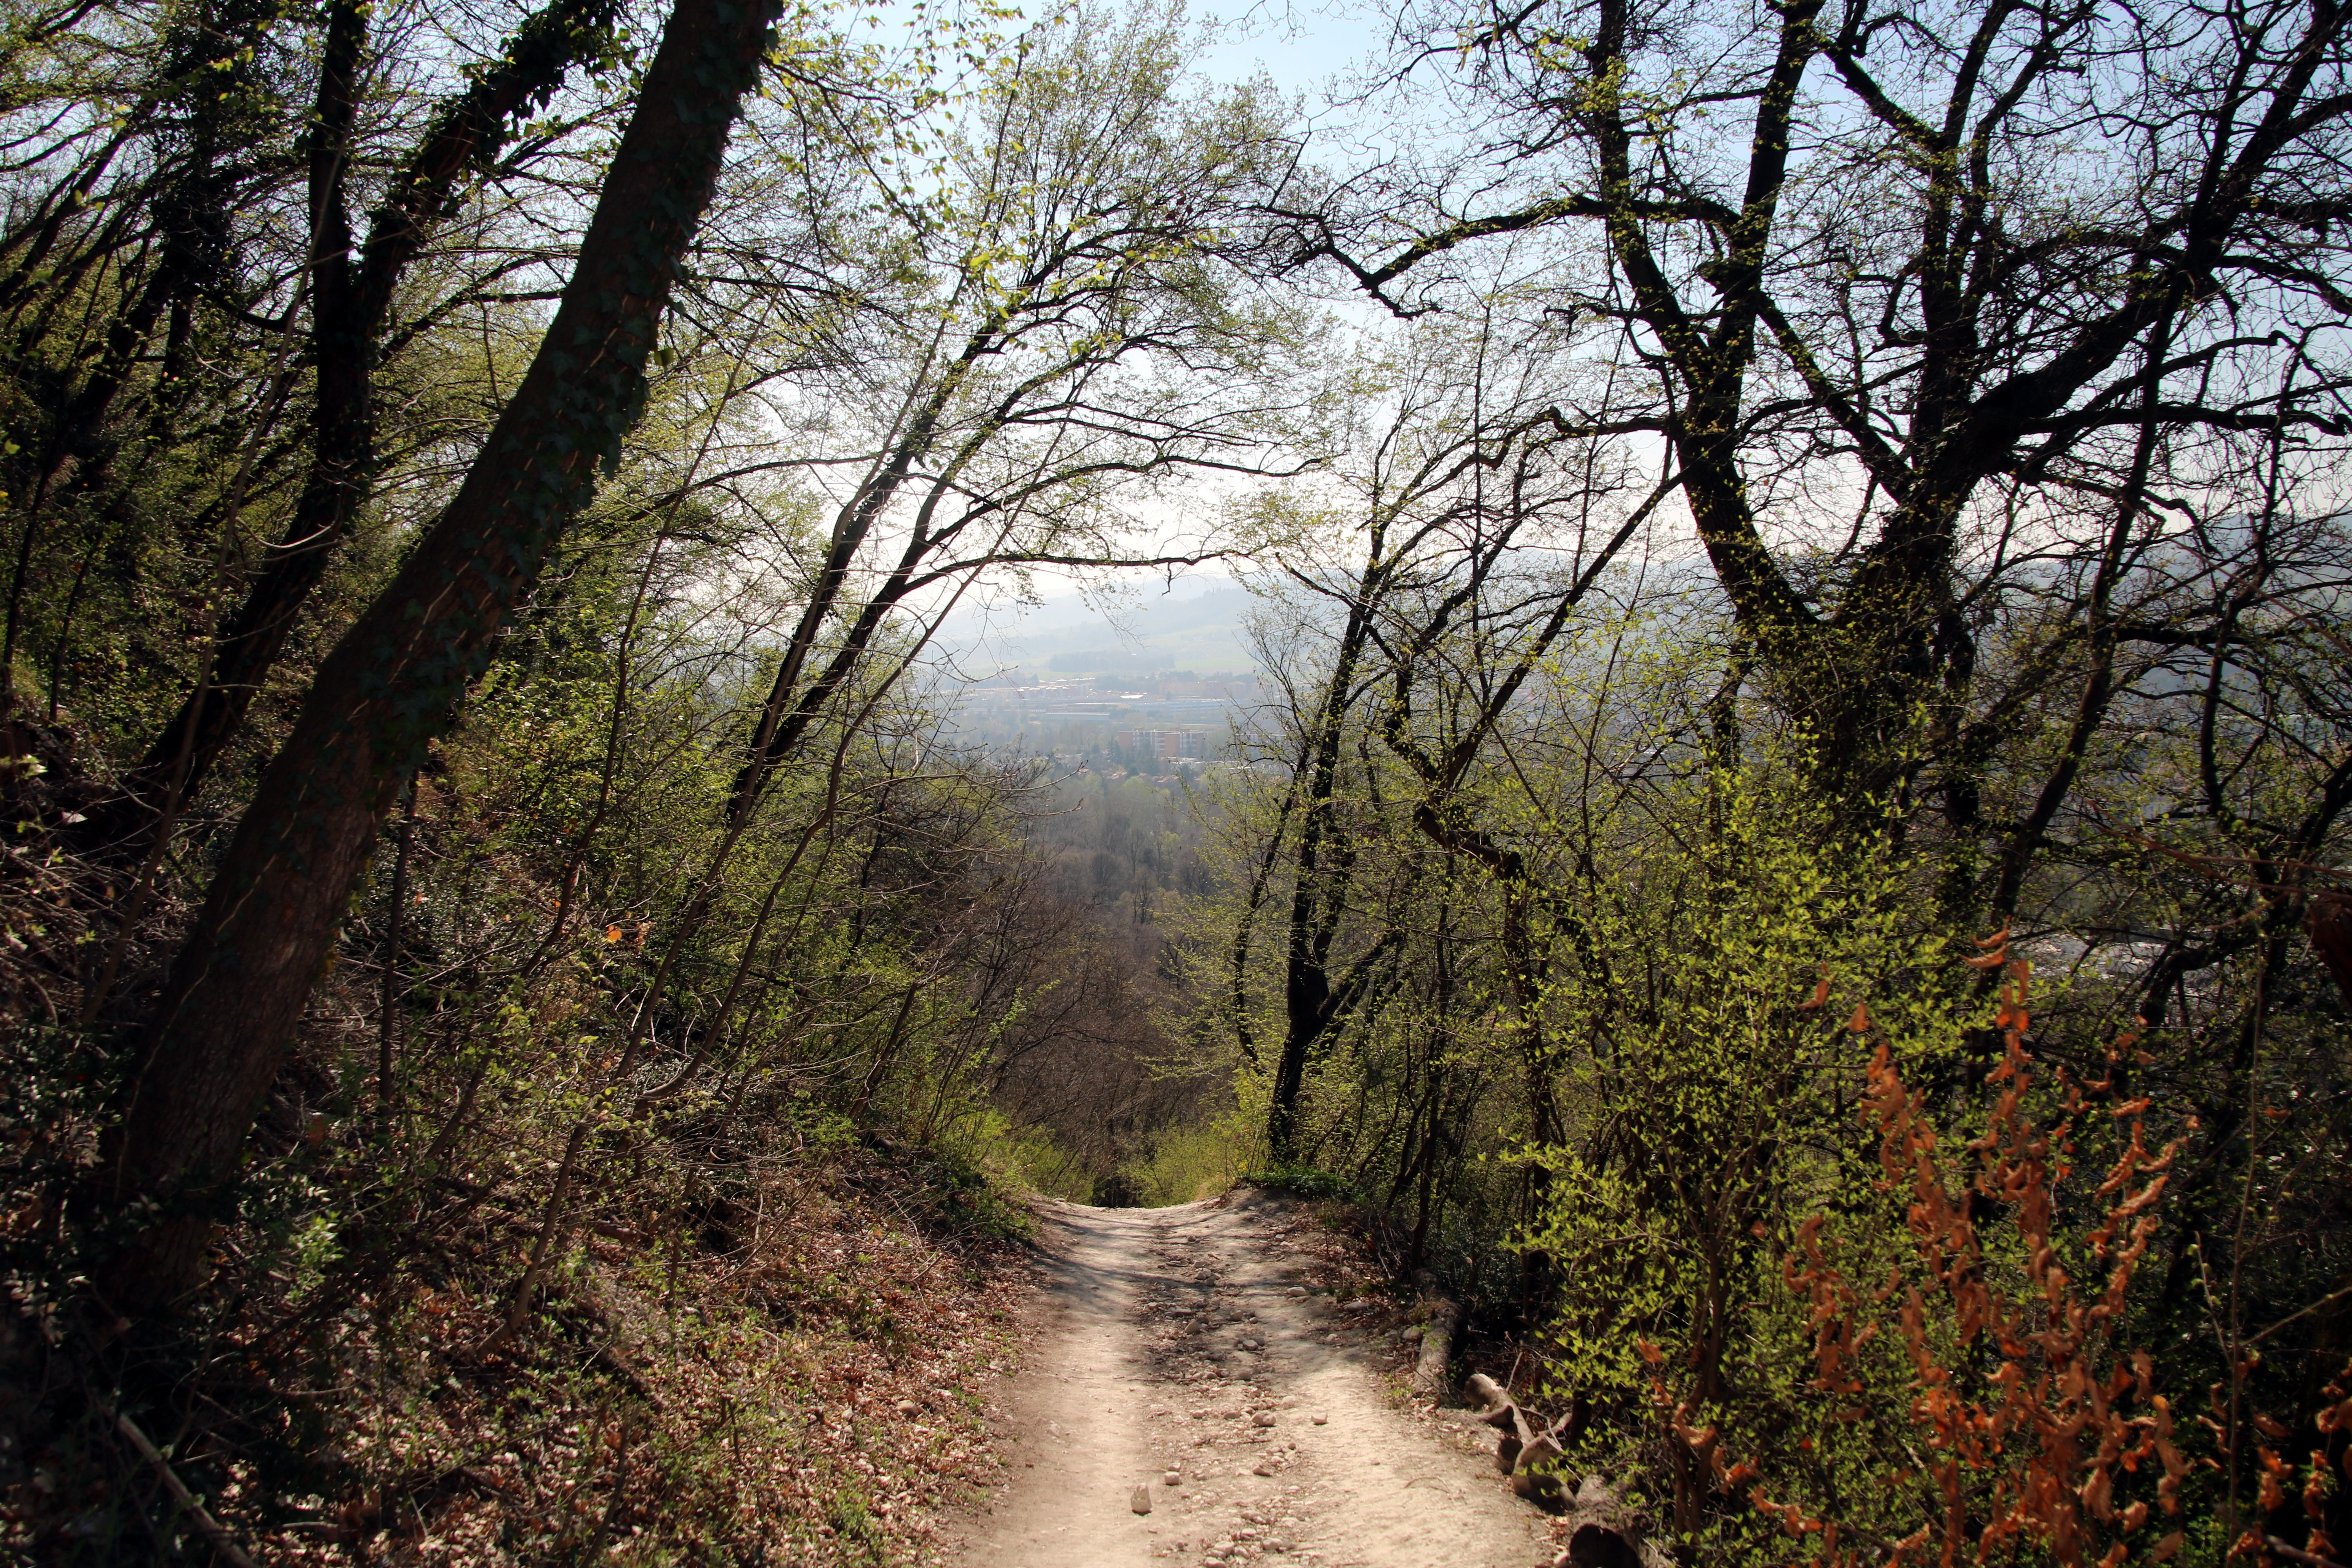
{"x":2233,"y":870}
{"x":2281,"y":1548}
{"x":2328,"y":1299}
{"x":206,"y":1525}
{"x":388,"y":1018}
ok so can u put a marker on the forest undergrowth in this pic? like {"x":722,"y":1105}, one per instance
{"x":810,"y":1393}
{"x":765,"y":1337}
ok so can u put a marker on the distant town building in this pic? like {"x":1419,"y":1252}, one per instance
{"x":1165,"y":742}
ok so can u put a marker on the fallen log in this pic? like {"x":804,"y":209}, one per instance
{"x":1604,"y":1533}
{"x":1527,"y":1449}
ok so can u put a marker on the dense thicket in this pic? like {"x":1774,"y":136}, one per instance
{"x":1794,"y":862}
{"x":1803,"y":861}
{"x":481,"y":876}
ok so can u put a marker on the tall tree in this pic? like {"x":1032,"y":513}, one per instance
{"x":1092,"y":265}
{"x":1091,"y":262}
{"x":352,"y":289}
{"x":1959,"y":277}
{"x":238,"y":986}
{"x":1467,"y":473}
{"x":135,"y":157}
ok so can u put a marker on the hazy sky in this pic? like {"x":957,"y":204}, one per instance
{"x":1300,"y":46}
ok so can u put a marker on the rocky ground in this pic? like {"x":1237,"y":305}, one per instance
{"x":1192,"y":1391}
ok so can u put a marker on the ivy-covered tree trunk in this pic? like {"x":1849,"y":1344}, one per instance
{"x":352,"y":298}
{"x":238,"y":986}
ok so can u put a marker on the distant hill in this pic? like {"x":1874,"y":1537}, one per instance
{"x":1195,"y":625}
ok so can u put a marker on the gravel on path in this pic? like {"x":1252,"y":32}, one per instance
{"x":1182,"y":1362}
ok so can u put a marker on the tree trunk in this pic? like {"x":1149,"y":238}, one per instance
{"x":1430,"y":1369}
{"x":238,"y":986}
{"x":350,"y":298}
{"x":1318,"y":898}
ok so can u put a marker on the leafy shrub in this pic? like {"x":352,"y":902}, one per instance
{"x":1298,"y":1181}
{"x":1963,"y":1318}
{"x":1193,"y":1162}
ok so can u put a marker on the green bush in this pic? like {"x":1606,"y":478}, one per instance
{"x":1298,"y":1181}
{"x":1193,"y":1162}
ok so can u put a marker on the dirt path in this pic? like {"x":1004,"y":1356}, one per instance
{"x":1181,"y":1344}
